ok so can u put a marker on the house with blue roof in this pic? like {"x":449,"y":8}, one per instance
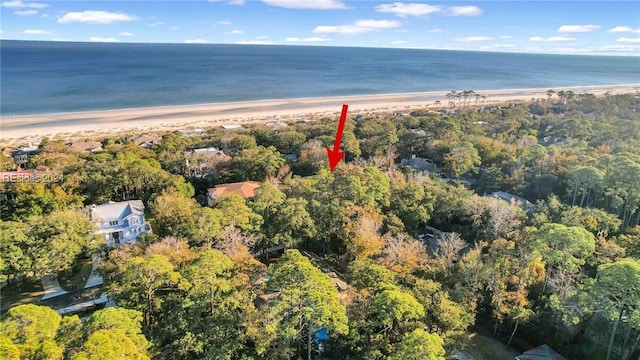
{"x":119,"y":223}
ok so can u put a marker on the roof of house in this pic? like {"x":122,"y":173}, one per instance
{"x":542,"y":352}
{"x":146,"y":139}
{"x":246,"y":189}
{"x":210,"y":151}
{"x":116,"y":210}
{"x":89,"y":146}
{"x":232,"y":126}
{"x":419,"y":132}
{"x":276,"y":124}
{"x":419,"y":163}
{"x":190,"y":132}
{"x":503,"y":195}
{"x":30,"y":150}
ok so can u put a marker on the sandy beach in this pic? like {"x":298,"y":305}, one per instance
{"x":31,"y":128}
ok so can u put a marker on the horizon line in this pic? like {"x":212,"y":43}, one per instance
{"x":617,"y":54}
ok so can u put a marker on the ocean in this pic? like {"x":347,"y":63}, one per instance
{"x":50,"y":77}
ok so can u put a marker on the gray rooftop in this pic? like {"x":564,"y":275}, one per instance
{"x":508,"y":197}
{"x":116,"y":210}
{"x":542,"y":352}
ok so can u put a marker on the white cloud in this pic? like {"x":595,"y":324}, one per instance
{"x":551,"y":39}
{"x":58,"y":39}
{"x":196,"y":41}
{"x":25,"y":12}
{"x":415,"y":9}
{"x":359,"y":27}
{"x":254,"y":42}
{"x":577,"y":28}
{"x":234,"y":32}
{"x":306,"y":40}
{"x":223,"y":22}
{"x":506,"y":37}
{"x":230,"y":2}
{"x":102,"y":39}
{"x":474,"y":39}
{"x":95,"y":17}
{"x":623,"y":29}
{"x":18,"y":4}
{"x":378,"y":24}
{"x":433,"y":31}
{"x":408,"y":9}
{"x":629,"y":40}
{"x":36,"y":32}
{"x":262,"y":37}
{"x":157,"y":23}
{"x":399,"y":42}
{"x":463,"y":11}
{"x":307,"y":4}
{"x":125,"y":33}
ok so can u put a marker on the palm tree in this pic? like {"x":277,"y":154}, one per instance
{"x":562,"y":95}
{"x":569,"y":95}
{"x":470,"y":93}
{"x":465,"y":95}
{"x":451,"y":95}
{"x":550,"y":93}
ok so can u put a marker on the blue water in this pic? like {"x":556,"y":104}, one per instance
{"x":44,"y":77}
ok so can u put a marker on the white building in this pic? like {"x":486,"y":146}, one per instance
{"x":119,"y":223}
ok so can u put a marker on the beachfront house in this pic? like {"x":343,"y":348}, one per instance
{"x":276,"y":125}
{"x":246,"y":189}
{"x":85,"y":146}
{"x":21,"y":155}
{"x":186,"y":133}
{"x":231,"y":127}
{"x":146,"y":140}
{"x":119,"y":223}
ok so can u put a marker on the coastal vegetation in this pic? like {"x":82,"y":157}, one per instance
{"x":400,"y":253}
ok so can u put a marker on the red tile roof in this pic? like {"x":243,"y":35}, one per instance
{"x":246,"y":189}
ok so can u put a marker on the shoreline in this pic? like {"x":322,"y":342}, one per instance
{"x":96,"y":123}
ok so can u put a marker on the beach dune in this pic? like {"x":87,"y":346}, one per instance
{"x":165,"y":118}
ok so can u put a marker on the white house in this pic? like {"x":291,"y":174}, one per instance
{"x":119,"y":223}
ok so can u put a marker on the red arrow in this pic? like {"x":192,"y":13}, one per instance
{"x":335,"y":155}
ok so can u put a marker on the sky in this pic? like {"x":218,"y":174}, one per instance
{"x":560,"y":27}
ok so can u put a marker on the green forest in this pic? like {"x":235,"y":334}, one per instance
{"x":561,"y":269}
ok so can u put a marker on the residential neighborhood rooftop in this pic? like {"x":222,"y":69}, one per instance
{"x":116,"y":210}
{"x":207,"y":151}
{"x":89,"y":146}
{"x":542,"y":352}
{"x":246,"y":189}
{"x":146,"y":140}
{"x":508,"y":197}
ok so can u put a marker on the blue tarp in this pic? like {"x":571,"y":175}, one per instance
{"x":321,"y":335}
